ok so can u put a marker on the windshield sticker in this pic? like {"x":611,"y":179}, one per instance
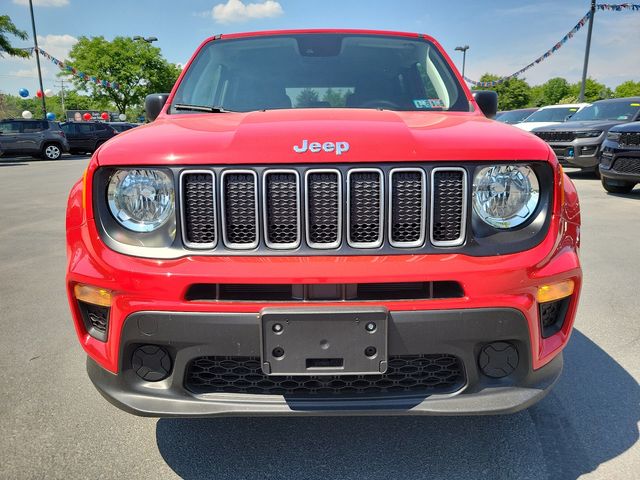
{"x":635,"y":104}
{"x":573,"y":109}
{"x":436,"y":103}
{"x":422,"y":103}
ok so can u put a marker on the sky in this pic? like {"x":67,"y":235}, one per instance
{"x":503,"y":35}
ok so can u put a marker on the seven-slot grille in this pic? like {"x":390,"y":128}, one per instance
{"x":627,"y":165}
{"x":323,"y":208}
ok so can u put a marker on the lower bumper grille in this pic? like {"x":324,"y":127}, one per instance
{"x":406,"y":374}
{"x":627,"y":165}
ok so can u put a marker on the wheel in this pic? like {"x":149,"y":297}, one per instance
{"x":618,"y":187}
{"x":51,"y":151}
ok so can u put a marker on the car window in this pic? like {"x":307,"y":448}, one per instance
{"x":559,"y":114}
{"x":10,"y":127}
{"x":617,"y":110}
{"x":33,"y":126}
{"x":84,"y":128}
{"x":68,"y":128}
{"x":328,"y":71}
{"x":514,"y":116}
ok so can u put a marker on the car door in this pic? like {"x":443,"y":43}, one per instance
{"x":86,"y":136}
{"x":32,"y":136}
{"x":8,"y":137}
{"x":71,"y":132}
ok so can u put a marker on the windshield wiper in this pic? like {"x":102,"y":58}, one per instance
{"x":200,"y":108}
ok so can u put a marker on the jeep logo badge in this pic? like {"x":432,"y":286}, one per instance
{"x":314,"y":147}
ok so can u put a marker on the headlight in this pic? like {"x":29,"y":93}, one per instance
{"x":505,"y":196}
{"x":615,"y":136}
{"x":589,"y":134}
{"x":141,"y":200}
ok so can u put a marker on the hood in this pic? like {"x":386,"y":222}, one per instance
{"x":270,"y":137}
{"x":578,"y":125}
{"x":633,"y":127}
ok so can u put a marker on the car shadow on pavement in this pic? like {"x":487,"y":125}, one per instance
{"x":590,"y":417}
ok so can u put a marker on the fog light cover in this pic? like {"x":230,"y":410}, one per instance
{"x":505,"y":196}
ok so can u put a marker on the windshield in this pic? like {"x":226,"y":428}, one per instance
{"x":320,"y":71}
{"x":514,"y":116}
{"x":559,"y":114}
{"x":608,"y":111}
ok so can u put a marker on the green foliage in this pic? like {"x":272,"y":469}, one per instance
{"x":513,"y":93}
{"x":628,"y":89}
{"x":137,"y":67}
{"x":335,"y":98}
{"x":7,"y":28}
{"x":307,"y":97}
{"x":554,"y":90}
{"x":593,"y":90}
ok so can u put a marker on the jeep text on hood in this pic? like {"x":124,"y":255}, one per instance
{"x":323,"y":222}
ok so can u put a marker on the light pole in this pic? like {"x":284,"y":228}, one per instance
{"x":147,"y":39}
{"x":37,"y":52}
{"x":586,"y":52}
{"x":464,"y":55}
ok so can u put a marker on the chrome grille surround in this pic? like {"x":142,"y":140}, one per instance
{"x":224,"y":208}
{"x":434,"y":191}
{"x":183,"y":210}
{"x":423,"y":208}
{"x":364,"y":209}
{"x":265,"y":209}
{"x":310,"y":241}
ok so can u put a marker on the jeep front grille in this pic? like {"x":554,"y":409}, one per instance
{"x":316,"y":208}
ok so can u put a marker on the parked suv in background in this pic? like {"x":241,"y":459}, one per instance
{"x":512,"y":117}
{"x":550,"y":115}
{"x":32,"y":137}
{"x":86,"y":137}
{"x":577,"y":142}
{"x":620,"y":158}
{"x":393,"y":251}
{"x":122,"y":126}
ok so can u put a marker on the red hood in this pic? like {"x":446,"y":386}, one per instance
{"x":269,"y":137}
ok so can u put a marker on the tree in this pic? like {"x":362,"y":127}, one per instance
{"x":554,"y":90}
{"x":628,"y":89}
{"x":137,"y":67}
{"x":592,"y":91}
{"x":7,"y":27}
{"x":307,"y":98}
{"x":335,"y":98}
{"x":513,"y":93}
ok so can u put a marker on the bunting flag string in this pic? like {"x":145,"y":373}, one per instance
{"x":74,"y":71}
{"x":583,"y":21}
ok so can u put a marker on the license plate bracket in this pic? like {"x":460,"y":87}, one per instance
{"x":327,"y":341}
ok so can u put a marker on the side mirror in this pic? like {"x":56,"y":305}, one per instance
{"x":487,"y":100}
{"x":153,"y":104}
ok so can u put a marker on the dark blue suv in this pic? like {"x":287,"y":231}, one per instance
{"x":620,"y":158}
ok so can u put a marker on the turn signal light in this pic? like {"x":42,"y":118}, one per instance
{"x":555,"y":291}
{"x":93,"y":295}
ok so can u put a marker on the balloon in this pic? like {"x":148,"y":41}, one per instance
{"x":39,"y":94}
{"x":51,"y":116}
{"x":104,"y":116}
{"x":48,"y":92}
{"x":87,"y":116}
{"x":27,"y":114}
{"x":122,"y":117}
{"x":24,"y":93}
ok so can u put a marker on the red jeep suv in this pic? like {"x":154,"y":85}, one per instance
{"x":323,"y":222}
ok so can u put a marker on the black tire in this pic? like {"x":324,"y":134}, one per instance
{"x":622,"y":187}
{"x":51,"y":151}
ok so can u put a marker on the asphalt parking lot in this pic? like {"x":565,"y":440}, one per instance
{"x":54,"y":424}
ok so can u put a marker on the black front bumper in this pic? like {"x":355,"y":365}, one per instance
{"x":462,"y":333}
